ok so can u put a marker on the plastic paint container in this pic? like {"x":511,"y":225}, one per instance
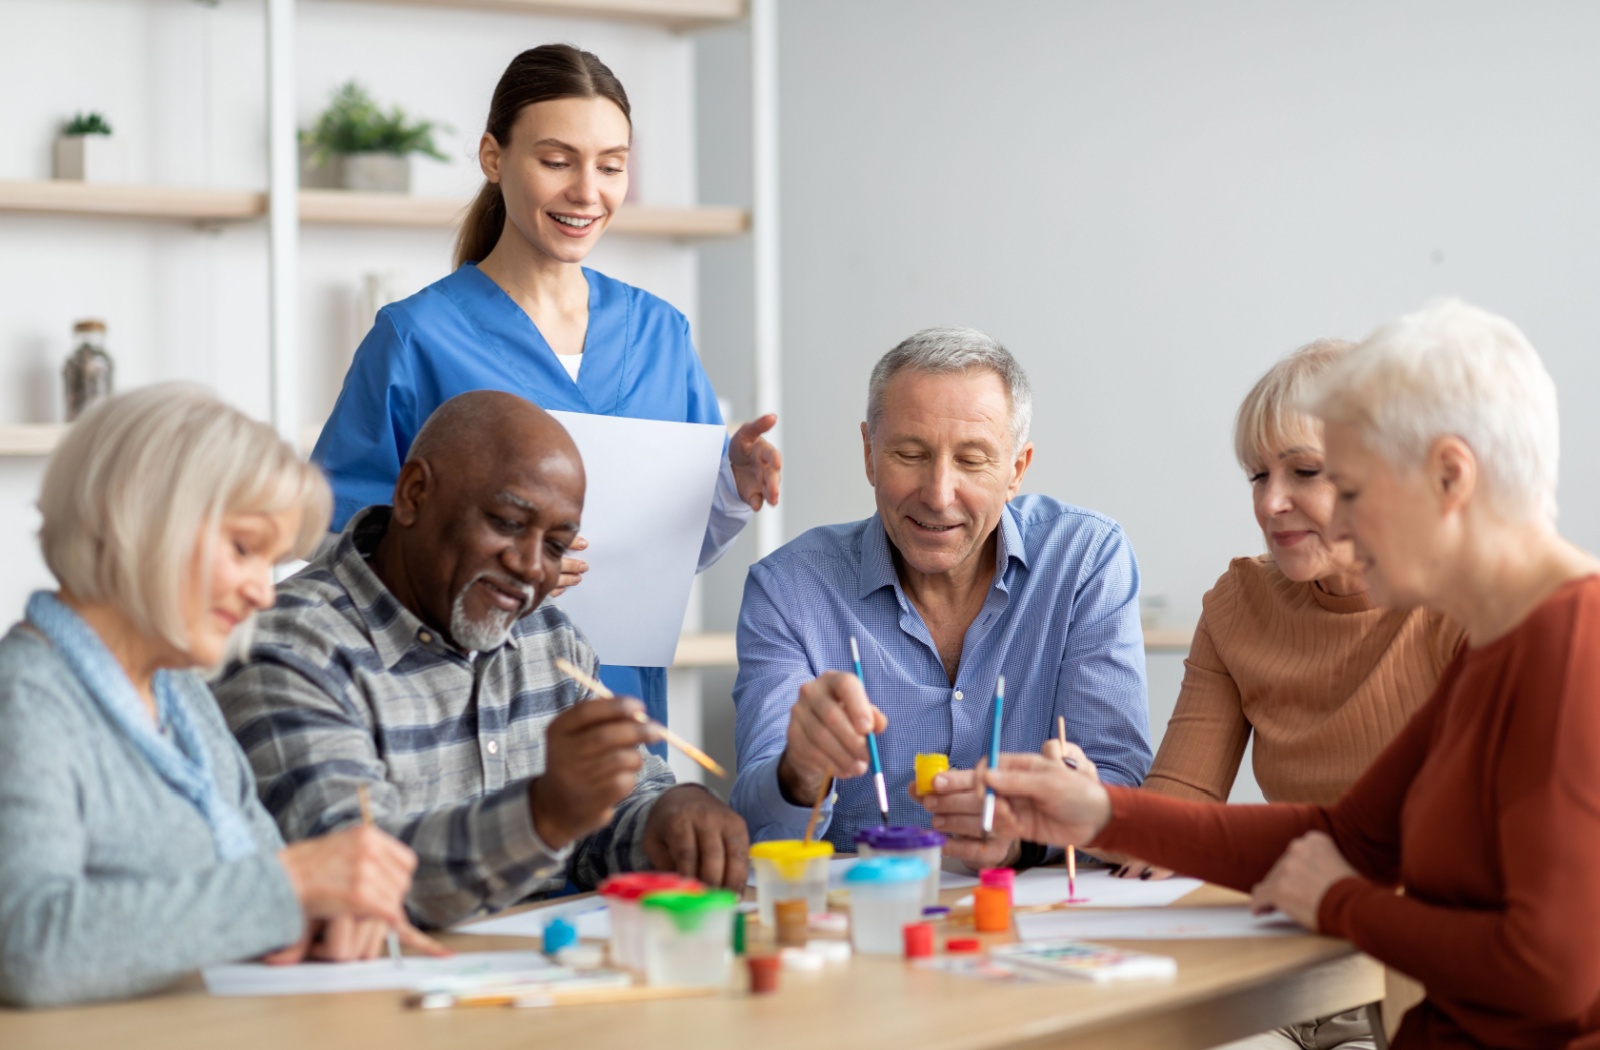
{"x":918,"y":940}
{"x":763,"y":973}
{"x":688,"y":937}
{"x":928,"y":767}
{"x":622,"y":894}
{"x":789,"y":868}
{"x":991,"y":909}
{"x":794,"y":926}
{"x":559,"y":934}
{"x":999,"y":878}
{"x":885,"y":895}
{"x":900,"y":840}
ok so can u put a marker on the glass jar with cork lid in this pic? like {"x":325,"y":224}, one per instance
{"x":88,"y":374}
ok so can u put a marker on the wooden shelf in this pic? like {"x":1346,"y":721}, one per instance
{"x":673,"y":14}
{"x":349,"y":208}
{"x":104,"y":200}
{"x":323,"y":207}
{"x":30,"y":439}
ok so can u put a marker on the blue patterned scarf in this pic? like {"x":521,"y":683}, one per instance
{"x":183,"y":761}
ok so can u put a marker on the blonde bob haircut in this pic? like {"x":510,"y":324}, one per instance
{"x":142,"y":476}
{"x":1270,"y":420}
{"x":1454,"y":370}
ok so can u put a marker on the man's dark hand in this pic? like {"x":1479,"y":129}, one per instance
{"x":692,"y":832}
{"x":592,"y":762}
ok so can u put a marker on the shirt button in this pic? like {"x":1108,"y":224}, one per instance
{"x":958,"y":695}
{"x":424,"y":637}
{"x":493,"y":747}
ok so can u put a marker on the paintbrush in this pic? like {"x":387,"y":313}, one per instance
{"x":1072,"y":852}
{"x":595,"y":686}
{"x":364,"y":800}
{"x":872,"y":740}
{"x":816,"y":807}
{"x":994,"y":753}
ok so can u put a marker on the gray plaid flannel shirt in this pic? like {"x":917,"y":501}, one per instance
{"x":343,"y":685}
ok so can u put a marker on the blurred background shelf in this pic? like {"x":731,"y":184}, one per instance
{"x":673,"y":14}
{"x":720,"y":650}
{"x":101,"y":200}
{"x":322,"y":207}
{"x":30,"y":439}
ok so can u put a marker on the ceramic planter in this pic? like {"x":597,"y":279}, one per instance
{"x":375,"y":172}
{"x":90,"y":158}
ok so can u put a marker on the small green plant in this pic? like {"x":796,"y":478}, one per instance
{"x":87,"y":124}
{"x":353,"y":123}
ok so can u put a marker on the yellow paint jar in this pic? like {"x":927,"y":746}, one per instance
{"x":928,"y":767}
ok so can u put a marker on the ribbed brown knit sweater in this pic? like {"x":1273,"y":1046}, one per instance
{"x":1324,"y":682}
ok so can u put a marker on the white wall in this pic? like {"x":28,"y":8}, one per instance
{"x":183,"y":83}
{"x":1149,"y":202}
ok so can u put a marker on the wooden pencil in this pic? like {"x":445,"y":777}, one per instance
{"x":598,"y":688}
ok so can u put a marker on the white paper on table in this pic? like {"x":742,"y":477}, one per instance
{"x":314,"y":978}
{"x":590,"y":915}
{"x":650,"y":485}
{"x":1154,"y":924}
{"x":1097,"y":889}
{"x":948,"y":880}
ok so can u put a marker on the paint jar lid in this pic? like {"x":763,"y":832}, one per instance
{"x":633,"y":885}
{"x":689,"y":908}
{"x":559,"y":934}
{"x":962,"y":944}
{"x":999,"y":878}
{"x":791,"y":856}
{"x":899,"y":837}
{"x":871,"y":870}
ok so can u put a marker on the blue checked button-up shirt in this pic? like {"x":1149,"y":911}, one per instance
{"x":345,"y":686}
{"x":1061,"y":622}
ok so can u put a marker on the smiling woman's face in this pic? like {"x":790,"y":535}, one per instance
{"x":563,"y":173}
{"x":1293,"y":501}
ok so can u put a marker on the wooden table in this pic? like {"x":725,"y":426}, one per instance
{"x":1225,"y":989}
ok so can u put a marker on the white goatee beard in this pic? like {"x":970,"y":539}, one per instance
{"x":480,"y":636}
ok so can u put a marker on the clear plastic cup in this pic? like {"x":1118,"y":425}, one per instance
{"x":623,"y":894}
{"x":789,"y":868}
{"x":885,"y":896}
{"x":901,"y":840}
{"x":688,"y":937}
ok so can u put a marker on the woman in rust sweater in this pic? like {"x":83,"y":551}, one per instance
{"x":1442,"y":438}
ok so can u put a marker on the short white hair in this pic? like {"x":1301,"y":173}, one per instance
{"x":949,"y":351}
{"x":137,"y":478}
{"x":1453,"y":370}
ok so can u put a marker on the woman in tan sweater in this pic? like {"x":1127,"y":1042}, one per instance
{"x":1288,"y":646}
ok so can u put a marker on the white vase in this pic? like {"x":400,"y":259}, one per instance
{"x":91,"y":158}
{"x":376,"y":172}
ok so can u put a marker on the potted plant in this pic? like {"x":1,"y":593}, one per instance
{"x":361,"y":147}
{"x":86,"y":151}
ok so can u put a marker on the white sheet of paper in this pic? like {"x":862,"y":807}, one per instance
{"x":373,"y":976}
{"x":589,"y":914}
{"x":650,"y":486}
{"x":1097,"y":889}
{"x":1155,"y":924}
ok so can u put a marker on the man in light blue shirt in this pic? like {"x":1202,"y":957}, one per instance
{"x":955,"y":581}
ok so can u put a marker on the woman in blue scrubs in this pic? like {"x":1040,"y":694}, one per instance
{"x":522,"y":314}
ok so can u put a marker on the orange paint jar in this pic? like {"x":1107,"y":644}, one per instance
{"x":991,"y":909}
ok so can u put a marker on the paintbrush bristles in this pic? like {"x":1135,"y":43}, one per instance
{"x":816,"y":808}
{"x":598,"y":688}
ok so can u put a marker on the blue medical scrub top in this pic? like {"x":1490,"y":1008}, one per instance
{"x":465,"y":333}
